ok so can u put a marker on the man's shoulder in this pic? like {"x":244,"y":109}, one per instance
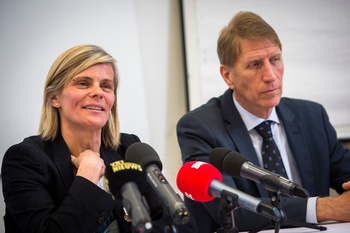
{"x":298,"y":103}
{"x":208,"y":112}
{"x":213,"y":104}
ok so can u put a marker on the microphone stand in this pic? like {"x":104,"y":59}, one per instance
{"x":228,"y":204}
{"x":170,"y":229}
{"x":276,"y":202}
{"x":167,"y":221}
{"x":168,"y":224}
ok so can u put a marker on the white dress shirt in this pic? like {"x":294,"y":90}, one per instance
{"x":280,"y":138}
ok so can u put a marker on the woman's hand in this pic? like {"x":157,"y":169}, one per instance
{"x":89,"y":165}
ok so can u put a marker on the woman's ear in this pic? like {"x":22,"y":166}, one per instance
{"x":226,"y":74}
{"x":54,"y":102}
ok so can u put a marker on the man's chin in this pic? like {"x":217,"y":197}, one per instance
{"x":271,"y":103}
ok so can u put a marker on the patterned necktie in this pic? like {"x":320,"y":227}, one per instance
{"x":270,"y":154}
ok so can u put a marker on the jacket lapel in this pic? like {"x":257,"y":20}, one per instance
{"x":239,"y":135}
{"x":237,"y":129}
{"x":298,"y":145}
{"x":62,"y":159}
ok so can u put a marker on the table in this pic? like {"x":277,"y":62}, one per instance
{"x":331,"y":227}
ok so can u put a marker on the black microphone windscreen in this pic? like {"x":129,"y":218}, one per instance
{"x":120,"y":172}
{"x":227,"y":161}
{"x":232,"y":164}
{"x":217,"y":156}
{"x":143,"y":154}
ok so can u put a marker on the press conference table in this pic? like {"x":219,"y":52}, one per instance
{"x":331,"y":227}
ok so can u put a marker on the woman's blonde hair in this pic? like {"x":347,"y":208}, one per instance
{"x":65,"y":67}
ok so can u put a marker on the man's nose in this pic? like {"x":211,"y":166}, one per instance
{"x":268,"y":72}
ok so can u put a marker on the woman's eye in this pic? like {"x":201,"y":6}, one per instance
{"x":107,"y":86}
{"x":83,"y":83}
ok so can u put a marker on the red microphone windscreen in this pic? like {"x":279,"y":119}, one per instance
{"x":194,"y":178}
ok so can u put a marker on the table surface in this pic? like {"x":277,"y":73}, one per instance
{"x":331,"y":227}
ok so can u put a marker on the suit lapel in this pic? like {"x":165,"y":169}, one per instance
{"x":298,"y":145}
{"x":239,"y":134}
{"x":237,"y":129}
{"x":62,"y":159}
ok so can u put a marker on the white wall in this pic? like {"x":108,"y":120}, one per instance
{"x":144,"y":36}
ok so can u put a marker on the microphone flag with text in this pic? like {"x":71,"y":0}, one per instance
{"x":236,"y":165}
{"x":148,"y":158}
{"x":202,"y":182}
{"x":124,"y":180}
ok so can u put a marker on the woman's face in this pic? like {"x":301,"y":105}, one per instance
{"x":86,"y":101}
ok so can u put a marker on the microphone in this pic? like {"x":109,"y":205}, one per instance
{"x":202,"y":182}
{"x":148,"y":158}
{"x":124,"y":181}
{"x":236,"y":165}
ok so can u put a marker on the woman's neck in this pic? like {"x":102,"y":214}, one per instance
{"x":79,"y":141}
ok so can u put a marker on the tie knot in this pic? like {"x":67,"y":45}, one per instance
{"x":264,"y":129}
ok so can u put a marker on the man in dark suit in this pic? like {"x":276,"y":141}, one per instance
{"x":250,"y":54}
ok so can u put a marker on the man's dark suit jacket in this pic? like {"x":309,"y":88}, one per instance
{"x":321,"y":160}
{"x":42,"y":194}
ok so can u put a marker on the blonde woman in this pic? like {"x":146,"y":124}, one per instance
{"x":53,"y":182}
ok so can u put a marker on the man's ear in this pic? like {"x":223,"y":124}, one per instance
{"x":226,"y":74}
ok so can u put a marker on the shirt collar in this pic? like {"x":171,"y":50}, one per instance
{"x":251,"y":120}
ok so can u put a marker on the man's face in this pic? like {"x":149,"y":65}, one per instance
{"x":256,"y":78}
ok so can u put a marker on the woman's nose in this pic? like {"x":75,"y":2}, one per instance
{"x":96,"y":90}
